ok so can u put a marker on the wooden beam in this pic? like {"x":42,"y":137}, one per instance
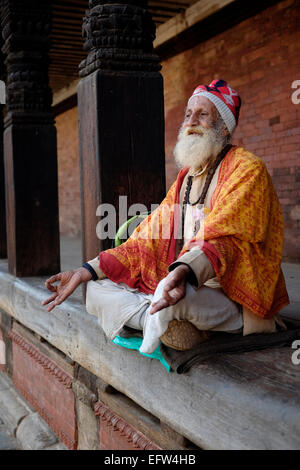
{"x":170,"y":4}
{"x":192,"y":15}
{"x":65,"y":105}
{"x":121,"y":121}
{"x":65,"y":93}
{"x":178,"y":36}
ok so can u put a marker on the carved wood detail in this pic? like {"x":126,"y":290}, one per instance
{"x":25,"y":31}
{"x":125,"y":429}
{"x":119,"y":36}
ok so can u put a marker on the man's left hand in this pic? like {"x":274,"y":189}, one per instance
{"x":174,"y":288}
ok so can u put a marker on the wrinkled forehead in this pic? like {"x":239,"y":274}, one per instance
{"x":197,"y":103}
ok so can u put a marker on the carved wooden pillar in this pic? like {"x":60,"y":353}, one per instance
{"x":3,"y":245}
{"x":30,"y":156}
{"x":121,"y":116}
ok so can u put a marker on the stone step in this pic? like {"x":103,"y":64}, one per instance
{"x":21,"y":427}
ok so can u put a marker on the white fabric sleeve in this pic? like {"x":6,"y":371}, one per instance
{"x":199,"y":265}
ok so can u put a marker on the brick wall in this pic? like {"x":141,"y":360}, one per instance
{"x":260,"y":57}
{"x":46,"y":386}
{"x":68,"y":173}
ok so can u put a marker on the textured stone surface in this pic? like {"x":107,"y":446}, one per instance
{"x":117,"y":434}
{"x":87,"y":422}
{"x":46,"y":385}
{"x":34,"y":434}
{"x":7,"y":442}
{"x":155,"y":430}
{"x":5,"y":328}
{"x":18,"y":418}
{"x":218,"y":404}
{"x":58,"y":446}
{"x":12,"y":408}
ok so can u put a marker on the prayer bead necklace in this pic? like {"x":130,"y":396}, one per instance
{"x":202,"y":196}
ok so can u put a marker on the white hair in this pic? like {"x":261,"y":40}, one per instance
{"x":196,"y":146}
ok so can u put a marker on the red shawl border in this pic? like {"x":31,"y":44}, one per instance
{"x":207,"y":248}
{"x":110,"y":264}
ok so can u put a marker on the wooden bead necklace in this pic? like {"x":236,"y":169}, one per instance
{"x":202,"y":196}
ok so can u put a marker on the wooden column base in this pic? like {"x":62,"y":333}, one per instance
{"x":121,"y":145}
{"x":31,"y":197}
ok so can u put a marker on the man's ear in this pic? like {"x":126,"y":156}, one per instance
{"x":225,"y":131}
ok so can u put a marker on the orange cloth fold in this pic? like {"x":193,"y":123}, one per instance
{"x":242,"y":236}
{"x":143,"y":260}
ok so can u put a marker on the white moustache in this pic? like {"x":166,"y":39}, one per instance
{"x":196,"y":146}
{"x":194,"y":131}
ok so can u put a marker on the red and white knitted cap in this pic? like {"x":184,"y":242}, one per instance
{"x":226,"y":100}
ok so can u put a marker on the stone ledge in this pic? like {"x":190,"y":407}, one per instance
{"x":251,"y":401}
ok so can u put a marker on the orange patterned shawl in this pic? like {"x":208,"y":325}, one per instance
{"x":242,"y":236}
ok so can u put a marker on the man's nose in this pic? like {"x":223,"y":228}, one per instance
{"x":192,"y":120}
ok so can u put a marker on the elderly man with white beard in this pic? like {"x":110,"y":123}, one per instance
{"x":222,"y":271}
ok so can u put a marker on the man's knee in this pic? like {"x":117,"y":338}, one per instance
{"x":90,"y":302}
{"x":159,"y":290}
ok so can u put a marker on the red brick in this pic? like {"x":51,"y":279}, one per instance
{"x":111,"y":439}
{"x":260,"y":58}
{"x":42,"y":387}
{"x":68,"y":173}
{"x":117,"y":434}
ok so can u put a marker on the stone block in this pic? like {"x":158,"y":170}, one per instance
{"x":87,"y":422}
{"x":13,"y":410}
{"x":34,"y":434}
{"x":46,"y":386}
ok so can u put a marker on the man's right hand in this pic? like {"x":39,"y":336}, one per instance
{"x":68,"y":282}
{"x":174,"y":288}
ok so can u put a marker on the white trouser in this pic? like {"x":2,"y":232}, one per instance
{"x":117,"y":304}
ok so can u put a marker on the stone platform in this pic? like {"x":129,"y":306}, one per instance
{"x":248,"y":401}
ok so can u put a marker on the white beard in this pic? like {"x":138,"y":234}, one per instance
{"x":196,"y":151}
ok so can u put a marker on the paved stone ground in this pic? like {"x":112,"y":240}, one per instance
{"x":21,"y":427}
{"x":18,"y":419}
